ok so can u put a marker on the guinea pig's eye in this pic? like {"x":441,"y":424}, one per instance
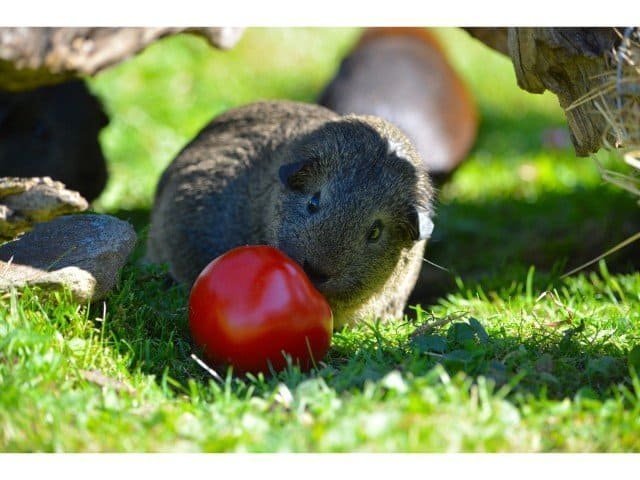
{"x":314,"y":203}
{"x":374,"y":232}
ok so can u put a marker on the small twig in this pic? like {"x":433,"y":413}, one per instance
{"x":207,"y":368}
{"x":7,"y":266}
{"x":633,"y":159}
{"x":621,"y":51}
{"x":427,"y":328}
{"x":555,"y":299}
{"x":622,"y":244}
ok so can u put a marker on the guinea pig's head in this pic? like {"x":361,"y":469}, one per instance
{"x":355,"y":198}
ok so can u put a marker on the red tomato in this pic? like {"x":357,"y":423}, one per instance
{"x":253,"y":303}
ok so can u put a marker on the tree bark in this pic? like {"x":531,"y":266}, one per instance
{"x":32,"y":57}
{"x":495,"y":38}
{"x":570,"y":62}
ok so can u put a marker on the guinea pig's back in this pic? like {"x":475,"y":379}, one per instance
{"x":205,"y":200}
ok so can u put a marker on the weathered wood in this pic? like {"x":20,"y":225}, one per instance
{"x":495,"y":38}
{"x":570,"y":62}
{"x":32,"y":57}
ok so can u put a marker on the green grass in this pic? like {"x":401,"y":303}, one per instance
{"x":522,"y":360}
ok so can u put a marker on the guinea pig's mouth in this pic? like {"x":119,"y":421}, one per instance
{"x":328,"y":282}
{"x":317,"y":276}
{"x":332,"y":285}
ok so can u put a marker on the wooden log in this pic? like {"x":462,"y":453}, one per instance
{"x":570,"y":62}
{"x":32,"y":57}
{"x":495,"y":38}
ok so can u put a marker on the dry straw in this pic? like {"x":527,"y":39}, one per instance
{"x":617,"y":99}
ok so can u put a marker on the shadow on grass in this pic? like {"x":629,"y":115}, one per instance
{"x":554,"y":362}
{"x":494,"y":243}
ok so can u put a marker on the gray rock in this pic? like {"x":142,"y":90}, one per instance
{"x":25,"y":201}
{"x":83,"y":252}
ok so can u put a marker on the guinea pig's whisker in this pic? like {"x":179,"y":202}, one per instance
{"x":440,"y":267}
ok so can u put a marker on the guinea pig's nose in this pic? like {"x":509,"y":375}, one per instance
{"x":316,"y":275}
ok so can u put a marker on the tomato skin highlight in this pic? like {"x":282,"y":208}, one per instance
{"x":252,"y":303}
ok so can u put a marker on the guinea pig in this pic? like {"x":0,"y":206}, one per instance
{"x":346,"y":197}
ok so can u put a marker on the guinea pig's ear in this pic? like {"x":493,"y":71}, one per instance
{"x":294,"y":175}
{"x":422,"y":224}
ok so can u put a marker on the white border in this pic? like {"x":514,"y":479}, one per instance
{"x":315,"y":13}
{"x":318,"y":466}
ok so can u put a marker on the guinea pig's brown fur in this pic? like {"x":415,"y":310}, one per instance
{"x":344,"y":196}
{"x":403,"y":76}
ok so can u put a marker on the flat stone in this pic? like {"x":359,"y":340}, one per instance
{"x":84,"y":253}
{"x":25,"y":201}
